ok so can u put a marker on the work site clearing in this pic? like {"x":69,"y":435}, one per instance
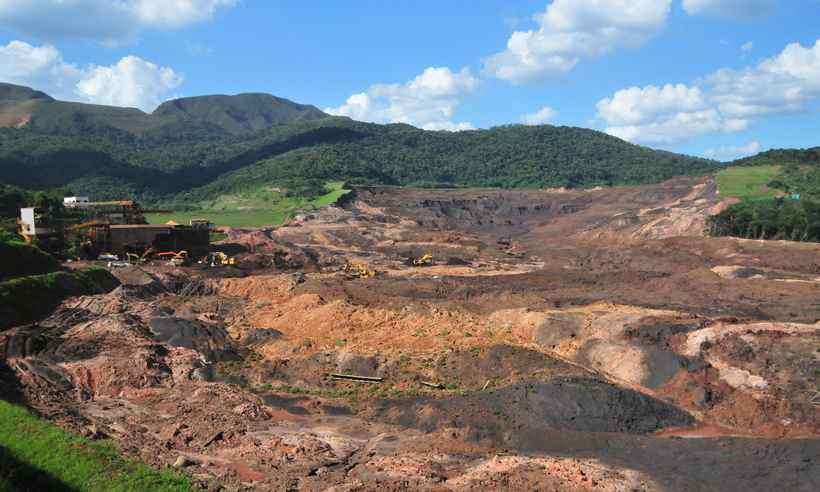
{"x":551,"y":340}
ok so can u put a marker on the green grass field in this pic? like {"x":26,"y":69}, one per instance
{"x":747,"y":182}
{"x":37,"y":455}
{"x":258,"y":208}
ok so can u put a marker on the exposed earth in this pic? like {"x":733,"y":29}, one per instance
{"x":562,"y":340}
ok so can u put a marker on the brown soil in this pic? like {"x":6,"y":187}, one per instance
{"x":562,"y":340}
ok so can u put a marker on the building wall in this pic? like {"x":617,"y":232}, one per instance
{"x":27,"y":219}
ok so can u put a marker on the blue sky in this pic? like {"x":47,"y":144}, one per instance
{"x":720,"y":78}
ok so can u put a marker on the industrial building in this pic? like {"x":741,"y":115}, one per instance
{"x":117,"y":227}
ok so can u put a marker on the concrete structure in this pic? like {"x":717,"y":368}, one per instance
{"x":75,"y":201}
{"x":31,"y":224}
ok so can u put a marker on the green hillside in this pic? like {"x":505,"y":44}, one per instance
{"x":779,"y":157}
{"x":206,"y":147}
{"x":747,"y":181}
{"x":179,"y":119}
{"x":261,"y":207}
{"x":238,"y":114}
{"x":780,"y":192}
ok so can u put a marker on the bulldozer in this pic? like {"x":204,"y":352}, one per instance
{"x":358,"y":270}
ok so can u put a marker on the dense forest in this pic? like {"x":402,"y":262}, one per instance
{"x":782,"y":157}
{"x":777,"y":218}
{"x":185,"y":167}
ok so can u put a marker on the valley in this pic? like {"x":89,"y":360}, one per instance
{"x":564,"y":339}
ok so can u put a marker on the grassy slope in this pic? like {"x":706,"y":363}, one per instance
{"x":37,"y":455}
{"x":25,"y":299}
{"x":747,"y":182}
{"x":254,"y":209}
{"x":19,"y":259}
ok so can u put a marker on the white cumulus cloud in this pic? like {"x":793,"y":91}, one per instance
{"x":665,"y":114}
{"x":131,"y":81}
{"x":781,"y":84}
{"x":108,"y":21}
{"x":428,"y":101}
{"x":543,"y":115}
{"x":742,"y":9}
{"x":725,"y":101}
{"x":734,"y":152}
{"x":569,"y":30}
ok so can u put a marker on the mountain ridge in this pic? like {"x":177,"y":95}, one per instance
{"x":196,"y":148}
{"x":210,"y":114}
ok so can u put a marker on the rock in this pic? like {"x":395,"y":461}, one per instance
{"x":184,"y":462}
{"x":94,"y":433}
{"x":216,"y":437}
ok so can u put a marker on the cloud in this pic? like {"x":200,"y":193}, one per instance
{"x":747,"y":46}
{"x":570,"y":30}
{"x":107,"y":21}
{"x":739,"y":9}
{"x":726,"y":101}
{"x":665,"y":114}
{"x":543,"y":115}
{"x":132,"y":81}
{"x":428,"y":101}
{"x":734,"y":152}
{"x":781,"y":84}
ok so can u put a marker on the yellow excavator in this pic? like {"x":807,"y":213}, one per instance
{"x":218,"y":258}
{"x":358,"y":270}
{"x":175,"y":258}
{"x":425,"y":260}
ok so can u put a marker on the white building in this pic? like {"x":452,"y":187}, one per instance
{"x":28,"y":223}
{"x":75,"y":201}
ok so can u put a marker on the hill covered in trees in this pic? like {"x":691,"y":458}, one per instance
{"x":191,"y":148}
{"x":781,"y":157}
{"x":177,"y":119}
{"x":793,"y":215}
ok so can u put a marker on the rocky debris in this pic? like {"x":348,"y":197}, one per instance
{"x":575,"y":368}
{"x":736,"y":271}
{"x":210,"y":340}
{"x":184,"y":462}
{"x":138,"y":282}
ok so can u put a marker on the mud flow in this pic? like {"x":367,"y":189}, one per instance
{"x":556,"y":340}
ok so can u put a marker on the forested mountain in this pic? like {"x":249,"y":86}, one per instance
{"x":178,"y":119}
{"x":224,"y":144}
{"x":238,"y":114}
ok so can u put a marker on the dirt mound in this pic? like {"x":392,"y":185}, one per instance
{"x":210,"y":340}
{"x":575,"y":404}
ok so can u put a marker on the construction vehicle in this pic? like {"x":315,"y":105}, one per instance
{"x":134,"y":258}
{"x":358,"y":270}
{"x":218,"y":258}
{"x":175,"y":258}
{"x":425,"y":260}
